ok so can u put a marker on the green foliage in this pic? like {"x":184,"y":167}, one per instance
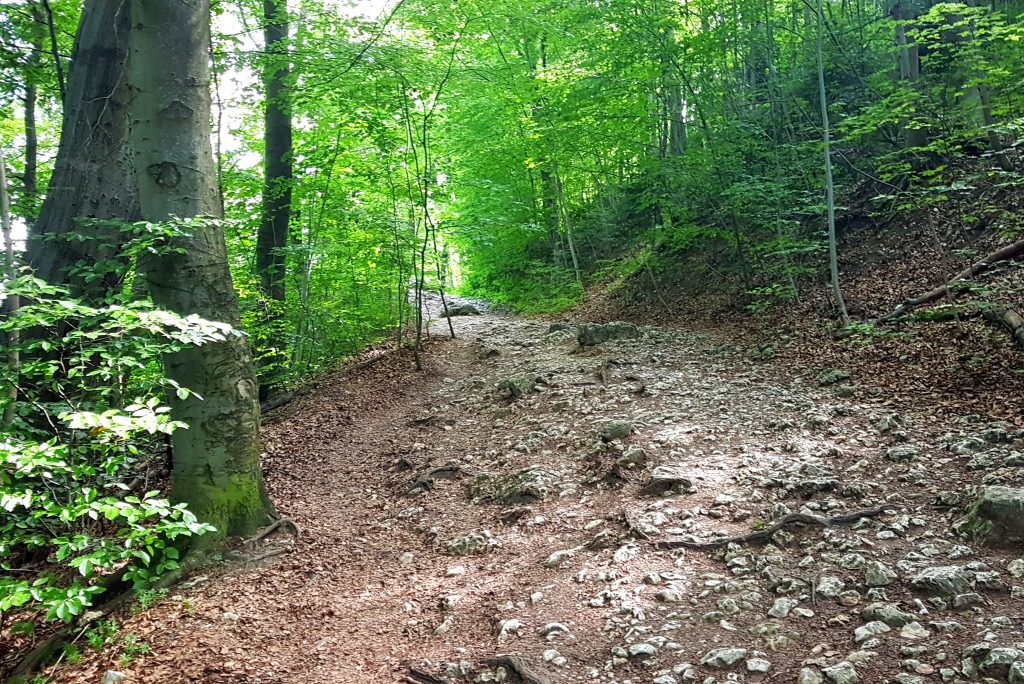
{"x":70,"y":518}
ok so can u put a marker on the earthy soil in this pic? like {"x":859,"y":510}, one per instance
{"x":381,"y":469}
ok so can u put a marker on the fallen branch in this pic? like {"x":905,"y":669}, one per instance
{"x":766,"y":533}
{"x":1009,"y":319}
{"x":417,"y":676}
{"x":1010,"y":251}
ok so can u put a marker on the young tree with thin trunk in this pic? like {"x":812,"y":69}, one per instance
{"x":278,"y":175}
{"x":833,"y":252}
{"x":216,"y":460}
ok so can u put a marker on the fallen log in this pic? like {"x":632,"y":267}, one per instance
{"x":1009,"y":319}
{"x":1010,"y":251}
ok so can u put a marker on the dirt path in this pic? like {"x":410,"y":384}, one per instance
{"x":392,"y":474}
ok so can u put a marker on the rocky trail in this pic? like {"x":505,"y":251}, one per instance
{"x":531,"y":509}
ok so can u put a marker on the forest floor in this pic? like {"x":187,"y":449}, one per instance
{"x":504,"y":501}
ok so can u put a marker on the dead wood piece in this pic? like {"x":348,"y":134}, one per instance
{"x":766,"y":533}
{"x":415,"y":675}
{"x":1009,"y":319}
{"x":1010,"y":251}
{"x":526,"y":672}
{"x":277,"y":402}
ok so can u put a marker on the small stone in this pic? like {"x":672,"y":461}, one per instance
{"x":998,"y":661}
{"x":665,"y":679}
{"x":849,"y":598}
{"x":842,"y":673}
{"x":616,"y":429}
{"x":782,"y":607}
{"x":228,"y":616}
{"x":969,"y":600}
{"x":946,"y":580}
{"x":758,"y":665}
{"x":558,"y":557}
{"x":830,"y":587}
{"x":723,"y":657}
{"x":914,"y":630}
{"x":903,"y":453}
{"x":996,"y":516}
{"x":871,"y":629}
{"x":808,"y":676}
{"x":878,"y":574}
{"x":508,"y":628}
{"x":455,"y":571}
{"x":641,"y":650}
{"x":406,"y":558}
{"x":1016,"y":568}
{"x":670,"y":596}
{"x":114,"y":677}
{"x":889,"y":614}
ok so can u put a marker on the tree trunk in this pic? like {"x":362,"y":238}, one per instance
{"x":909,"y":59}
{"x":277,"y":189}
{"x":92,"y":176}
{"x":829,"y":187}
{"x":216,"y":460}
{"x":12,"y":302}
{"x":560,"y":194}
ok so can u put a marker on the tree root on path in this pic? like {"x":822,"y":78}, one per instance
{"x":766,"y":533}
{"x":273,"y":527}
{"x":527,"y":673}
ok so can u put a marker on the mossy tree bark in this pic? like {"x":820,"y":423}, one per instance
{"x":216,"y":460}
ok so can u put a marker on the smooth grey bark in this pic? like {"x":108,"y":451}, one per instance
{"x":216,"y":460}
{"x":909,"y":59}
{"x":833,"y":254}
{"x":92,"y":177}
{"x":12,"y":302}
{"x":272,"y":237}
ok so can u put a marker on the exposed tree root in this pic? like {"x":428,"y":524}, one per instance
{"x":527,"y":673}
{"x":766,"y":533}
{"x":273,"y":527}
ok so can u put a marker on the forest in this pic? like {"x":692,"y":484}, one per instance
{"x":440,"y":341}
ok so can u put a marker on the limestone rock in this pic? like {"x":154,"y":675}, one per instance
{"x":723,"y":657}
{"x":996,"y":517}
{"x":878,"y":574}
{"x":842,"y":673}
{"x":461,"y":310}
{"x":947,"y":580}
{"x":616,"y":429}
{"x":590,"y":335}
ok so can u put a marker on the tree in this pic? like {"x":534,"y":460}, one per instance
{"x":277,"y":135}
{"x":92,"y":177}
{"x":833,"y":260}
{"x":216,"y":460}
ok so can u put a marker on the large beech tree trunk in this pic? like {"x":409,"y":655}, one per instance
{"x":216,"y":460}
{"x":92,"y":177}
